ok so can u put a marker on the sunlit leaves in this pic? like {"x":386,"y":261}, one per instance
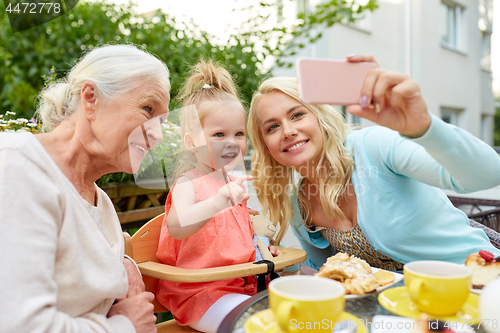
{"x":27,"y":55}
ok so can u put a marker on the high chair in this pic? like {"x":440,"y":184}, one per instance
{"x":142,"y":247}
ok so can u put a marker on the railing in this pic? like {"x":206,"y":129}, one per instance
{"x":486,"y":212}
{"x":136,"y":205}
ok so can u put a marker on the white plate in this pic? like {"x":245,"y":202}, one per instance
{"x":397,"y":277}
{"x":304,"y":270}
{"x":476,"y":291}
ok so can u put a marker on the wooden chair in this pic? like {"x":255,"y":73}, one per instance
{"x":142,"y":248}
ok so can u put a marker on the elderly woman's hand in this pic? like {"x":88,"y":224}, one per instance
{"x":393,"y":100}
{"x":135,"y":283}
{"x":139,"y":310}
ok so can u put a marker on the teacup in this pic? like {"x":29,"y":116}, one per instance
{"x":306,"y":303}
{"x":437,"y":288}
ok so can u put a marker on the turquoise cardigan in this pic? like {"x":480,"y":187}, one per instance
{"x":401,"y":209}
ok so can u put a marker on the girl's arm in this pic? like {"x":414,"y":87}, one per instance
{"x":186,"y":218}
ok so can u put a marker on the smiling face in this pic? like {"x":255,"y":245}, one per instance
{"x":130,"y":124}
{"x":223,"y":141}
{"x":291,"y":132}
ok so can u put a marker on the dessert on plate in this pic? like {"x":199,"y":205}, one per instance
{"x":355,"y":274}
{"x":485,"y":268}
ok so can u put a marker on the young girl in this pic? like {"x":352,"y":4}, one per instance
{"x":207,"y":223}
{"x":372,"y":192}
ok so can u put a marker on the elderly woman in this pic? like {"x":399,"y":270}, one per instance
{"x":62,"y":265}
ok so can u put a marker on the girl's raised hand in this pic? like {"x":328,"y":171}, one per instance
{"x":393,"y":100}
{"x":231,"y":193}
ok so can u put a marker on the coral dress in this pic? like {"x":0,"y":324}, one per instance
{"x":225,"y":240}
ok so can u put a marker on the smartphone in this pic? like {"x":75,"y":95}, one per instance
{"x":329,"y":81}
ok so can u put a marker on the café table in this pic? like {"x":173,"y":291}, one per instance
{"x":364,"y":308}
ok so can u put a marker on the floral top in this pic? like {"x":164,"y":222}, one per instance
{"x":354,"y":243}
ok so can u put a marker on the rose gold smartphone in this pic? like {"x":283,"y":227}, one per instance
{"x":328,"y":81}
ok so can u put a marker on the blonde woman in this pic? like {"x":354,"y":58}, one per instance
{"x":374,"y":192}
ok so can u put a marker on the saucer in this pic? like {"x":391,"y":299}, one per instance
{"x":265,"y":322}
{"x":397,"y":301}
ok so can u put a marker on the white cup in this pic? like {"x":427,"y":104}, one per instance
{"x":489,"y":306}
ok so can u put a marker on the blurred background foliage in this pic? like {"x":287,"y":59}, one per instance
{"x":27,"y":55}
{"x":249,"y":54}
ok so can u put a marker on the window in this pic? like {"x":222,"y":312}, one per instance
{"x":487,"y":129}
{"x":307,"y":6}
{"x":485,"y":25}
{"x":486,"y":50}
{"x":450,"y":116}
{"x":302,"y":7}
{"x":452,"y":18}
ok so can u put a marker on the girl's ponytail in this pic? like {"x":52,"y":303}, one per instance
{"x":208,"y":82}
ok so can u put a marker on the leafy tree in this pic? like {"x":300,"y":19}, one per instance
{"x":26,"y":55}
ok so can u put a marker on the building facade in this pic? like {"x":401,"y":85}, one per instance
{"x":444,"y":45}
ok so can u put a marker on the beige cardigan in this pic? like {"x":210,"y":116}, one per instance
{"x":61,"y":259}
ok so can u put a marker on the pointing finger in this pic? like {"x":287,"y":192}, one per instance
{"x":242,"y":179}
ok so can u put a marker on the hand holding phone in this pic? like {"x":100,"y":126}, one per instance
{"x":328,"y":81}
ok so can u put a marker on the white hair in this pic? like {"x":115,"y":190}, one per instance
{"x":114,"y":69}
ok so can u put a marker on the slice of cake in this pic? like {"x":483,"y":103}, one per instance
{"x":485,"y":268}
